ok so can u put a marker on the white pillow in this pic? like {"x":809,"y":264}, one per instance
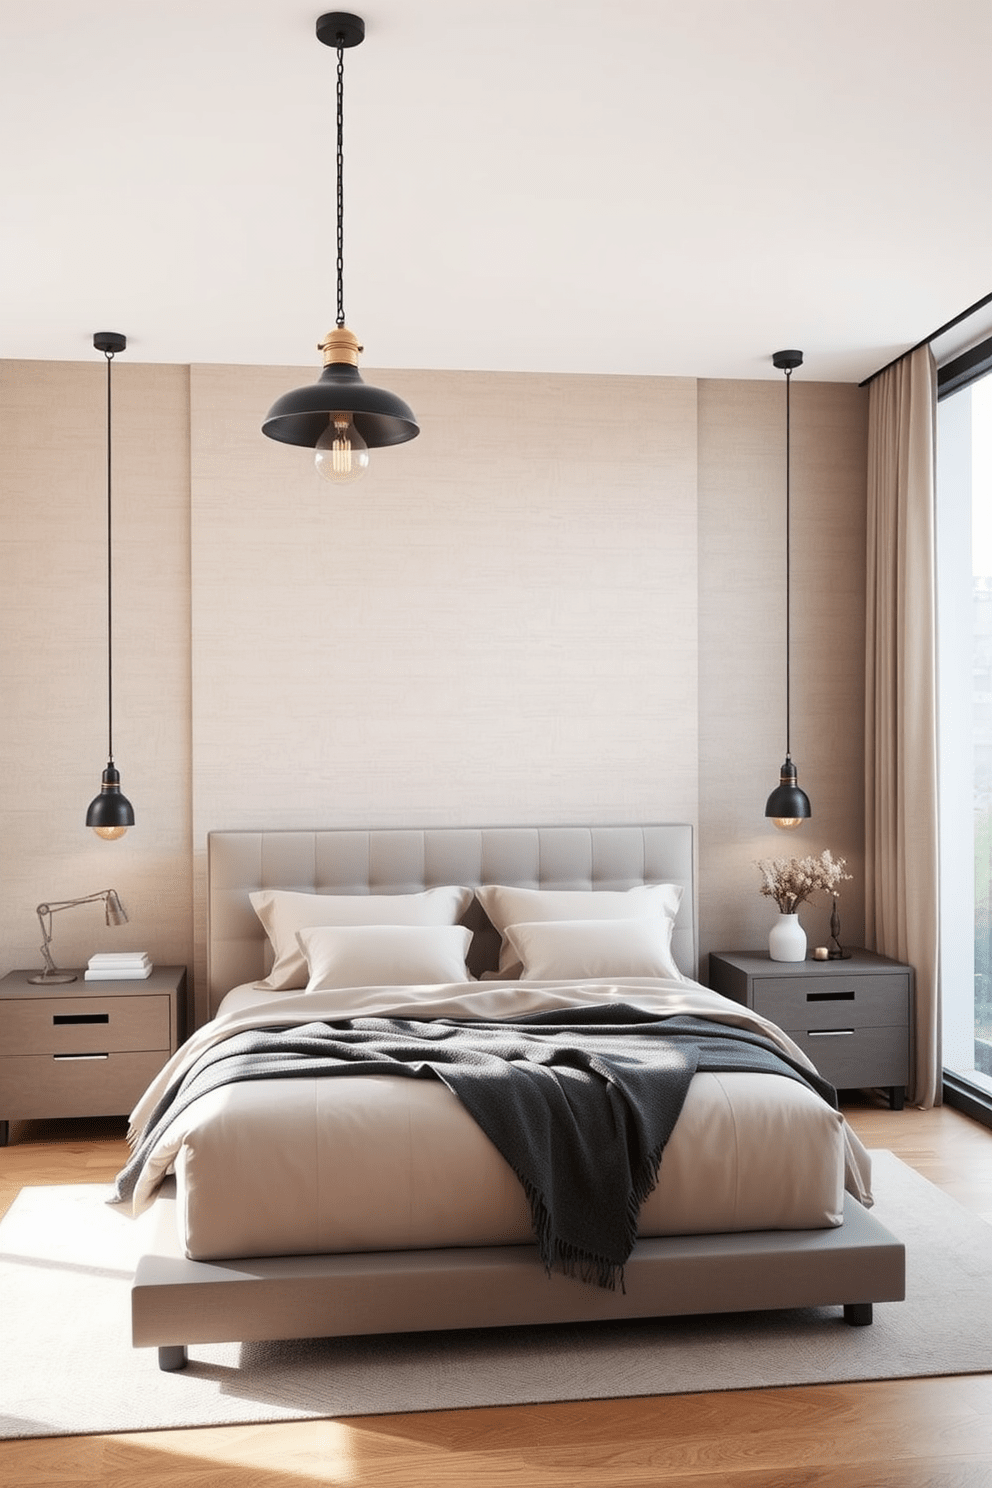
{"x":512,"y":906}
{"x":551,"y":950}
{"x":384,"y":955}
{"x":283,"y":912}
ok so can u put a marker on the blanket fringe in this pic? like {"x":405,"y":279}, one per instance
{"x":582,"y":1265}
{"x":569,"y":1259}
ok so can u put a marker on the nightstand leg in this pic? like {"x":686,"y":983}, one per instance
{"x":858,"y":1314}
{"x":897,"y":1097}
{"x":4,"y":1133}
{"x":173,"y":1357}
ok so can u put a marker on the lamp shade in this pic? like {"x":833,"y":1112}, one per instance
{"x":787,"y":804}
{"x":110,"y":813}
{"x":301,"y":416}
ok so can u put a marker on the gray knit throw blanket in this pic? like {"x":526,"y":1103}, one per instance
{"x":580,"y":1101}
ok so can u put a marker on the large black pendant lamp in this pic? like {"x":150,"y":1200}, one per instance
{"x":788,"y":806}
{"x":110,"y":813}
{"x":340,"y":416}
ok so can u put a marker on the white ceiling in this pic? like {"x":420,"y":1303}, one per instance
{"x":676,"y":187}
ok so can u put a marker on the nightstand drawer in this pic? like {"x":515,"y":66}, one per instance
{"x":859,"y":1058}
{"x":84,"y":1025}
{"x":802,"y":1003}
{"x":84,"y":1085}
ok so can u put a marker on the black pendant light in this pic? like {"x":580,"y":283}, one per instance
{"x":788,"y":806}
{"x":340,"y":416}
{"x":110,"y":813}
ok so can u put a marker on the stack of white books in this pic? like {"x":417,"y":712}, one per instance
{"x":118,"y":966}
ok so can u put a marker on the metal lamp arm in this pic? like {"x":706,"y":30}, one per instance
{"x":45,"y":912}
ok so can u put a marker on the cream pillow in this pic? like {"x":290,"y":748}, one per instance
{"x":574,"y":950}
{"x":384,"y":955}
{"x":512,"y":906}
{"x":283,"y":912}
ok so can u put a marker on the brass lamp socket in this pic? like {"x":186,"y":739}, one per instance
{"x":340,"y":345}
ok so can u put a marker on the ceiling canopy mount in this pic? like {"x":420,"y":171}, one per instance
{"x":340,"y":29}
{"x":109,"y":342}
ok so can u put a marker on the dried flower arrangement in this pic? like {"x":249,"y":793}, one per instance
{"x":791,"y":881}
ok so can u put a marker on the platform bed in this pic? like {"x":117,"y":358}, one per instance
{"x":178,"y":1302}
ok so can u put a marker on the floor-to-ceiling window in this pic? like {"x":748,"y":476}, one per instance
{"x":964,"y":579}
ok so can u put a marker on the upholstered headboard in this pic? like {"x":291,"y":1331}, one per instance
{"x":387,"y":861}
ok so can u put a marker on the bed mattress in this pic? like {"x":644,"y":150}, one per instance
{"x":381,"y":1163}
{"x":307,"y":1166}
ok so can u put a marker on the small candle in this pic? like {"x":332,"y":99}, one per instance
{"x":821,"y":953}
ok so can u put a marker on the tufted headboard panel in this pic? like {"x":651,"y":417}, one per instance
{"x":406,"y":860}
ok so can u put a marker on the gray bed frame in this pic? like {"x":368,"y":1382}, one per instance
{"x":177,"y":1302}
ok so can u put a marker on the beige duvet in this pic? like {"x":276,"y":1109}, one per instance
{"x":304,"y":1166}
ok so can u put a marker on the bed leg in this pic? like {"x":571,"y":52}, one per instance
{"x":173,"y":1357}
{"x":858,"y":1314}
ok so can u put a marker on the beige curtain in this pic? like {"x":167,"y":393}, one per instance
{"x":901,"y":905}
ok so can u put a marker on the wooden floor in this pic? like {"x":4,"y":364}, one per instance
{"x":900,"y":1434}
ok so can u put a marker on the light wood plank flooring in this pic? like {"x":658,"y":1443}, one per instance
{"x":901,"y":1434}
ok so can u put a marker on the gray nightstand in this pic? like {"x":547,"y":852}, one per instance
{"x":85,"y":1048}
{"x":853,"y":1018}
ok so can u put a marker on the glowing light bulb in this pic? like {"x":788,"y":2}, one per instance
{"x":110,"y":834}
{"x":341,"y":453}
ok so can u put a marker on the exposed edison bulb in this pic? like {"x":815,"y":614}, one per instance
{"x":787,"y":823}
{"x":341,"y":453}
{"x":109,"y":834}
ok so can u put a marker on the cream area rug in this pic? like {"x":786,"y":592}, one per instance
{"x":67,"y":1366}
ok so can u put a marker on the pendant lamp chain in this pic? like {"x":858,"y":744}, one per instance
{"x":340,"y":165}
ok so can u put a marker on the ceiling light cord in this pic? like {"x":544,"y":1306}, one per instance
{"x":788,"y":563}
{"x":110,"y":570}
{"x":110,"y":813}
{"x":788,"y":806}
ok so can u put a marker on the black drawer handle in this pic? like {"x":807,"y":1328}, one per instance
{"x":80,"y":1056}
{"x":830,"y":996}
{"x":59,"y":1018}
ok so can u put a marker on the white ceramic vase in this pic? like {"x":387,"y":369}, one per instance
{"x":787,"y":939}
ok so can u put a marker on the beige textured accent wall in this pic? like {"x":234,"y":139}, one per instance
{"x":742,"y":654}
{"x":53,"y":655}
{"x":563,"y":602}
{"x":496,"y":625}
